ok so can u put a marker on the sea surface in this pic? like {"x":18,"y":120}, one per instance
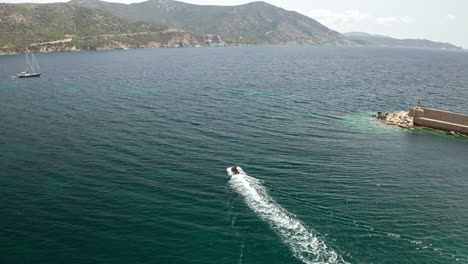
{"x":121,"y":157}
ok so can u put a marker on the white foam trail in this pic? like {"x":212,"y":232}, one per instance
{"x":304,"y":242}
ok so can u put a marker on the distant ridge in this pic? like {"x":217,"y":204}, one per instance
{"x":252,"y":23}
{"x":362,"y":38}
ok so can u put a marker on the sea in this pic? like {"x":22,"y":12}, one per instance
{"x":121,"y":157}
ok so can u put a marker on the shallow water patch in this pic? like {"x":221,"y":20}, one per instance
{"x":364,"y":122}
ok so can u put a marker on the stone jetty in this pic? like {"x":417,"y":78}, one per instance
{"x":453,"y":123}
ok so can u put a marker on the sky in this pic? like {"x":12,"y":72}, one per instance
{"x":437,"y":20}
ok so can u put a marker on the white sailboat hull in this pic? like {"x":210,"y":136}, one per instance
{"x":28,"y":75}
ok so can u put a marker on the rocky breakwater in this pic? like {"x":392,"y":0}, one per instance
{"x":425,"y":118}
{"x":401,"y":119}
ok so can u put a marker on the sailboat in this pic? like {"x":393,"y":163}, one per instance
{"x":32,"y":68}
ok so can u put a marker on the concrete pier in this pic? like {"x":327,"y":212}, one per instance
{"x":438,"y":119}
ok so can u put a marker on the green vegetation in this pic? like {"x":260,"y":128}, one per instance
{"x":68,"y":26}
{"x":253,"y":23}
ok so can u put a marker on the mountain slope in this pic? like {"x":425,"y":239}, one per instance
{"x":253,"y":23}
{"x":66,"y":26}
{"x":384,"y":41}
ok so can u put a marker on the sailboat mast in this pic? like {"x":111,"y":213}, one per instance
{"x":35,"y":62}
{"x":31,"y":63}
{"x":27,"y":63}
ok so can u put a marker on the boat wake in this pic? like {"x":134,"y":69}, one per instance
{"x":304,"y":242}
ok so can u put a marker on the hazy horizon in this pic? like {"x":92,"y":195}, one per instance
{"x":433,"y":20}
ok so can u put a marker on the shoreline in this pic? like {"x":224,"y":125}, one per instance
{"x":167,"y":46}
{"x":71,"y":49}
{"x":119,"y":48}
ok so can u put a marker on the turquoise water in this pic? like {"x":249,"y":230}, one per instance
{"x":121,"y":157}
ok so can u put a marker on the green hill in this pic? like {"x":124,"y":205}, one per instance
{"x":68,"y":26}
{"x":253,"y":23}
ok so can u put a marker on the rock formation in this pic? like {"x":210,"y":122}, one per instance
{"x":213,"y":40}
{"x":400,"y":119}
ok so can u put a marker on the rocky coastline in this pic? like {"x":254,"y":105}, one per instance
{"x":400,"y":119}
{"x":106,"y":47}
{"x":174,"y":41}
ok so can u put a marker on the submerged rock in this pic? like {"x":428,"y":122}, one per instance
{"x":381,"y":115}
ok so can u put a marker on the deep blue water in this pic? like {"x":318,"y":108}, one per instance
{"x":121,"y":157}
